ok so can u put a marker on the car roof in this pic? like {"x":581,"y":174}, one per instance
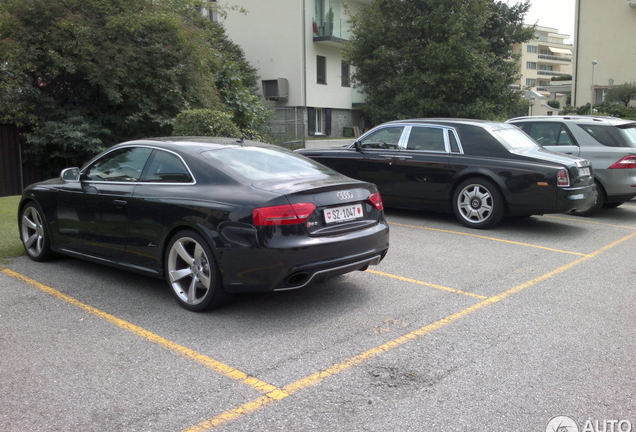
{"x":489,"y":124}
{"x":194,"y":144}
{"x":583,"y":119}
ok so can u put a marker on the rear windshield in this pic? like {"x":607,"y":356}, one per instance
{"x":611,"y":136}
{"x":262,"y":163}
{"x":515,"y":139}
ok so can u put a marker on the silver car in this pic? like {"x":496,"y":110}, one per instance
{"x":609,"y":143}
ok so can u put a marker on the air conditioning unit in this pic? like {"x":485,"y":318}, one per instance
{"x":276,"y":89}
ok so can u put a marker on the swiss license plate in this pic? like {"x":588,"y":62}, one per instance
{"x":584,"y":172}
{"x":344,"y":213}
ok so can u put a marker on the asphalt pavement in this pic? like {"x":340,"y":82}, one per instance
{"x":456,"y":330}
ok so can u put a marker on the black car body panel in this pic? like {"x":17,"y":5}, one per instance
{"x":128,"y":222}
{"x":411,"y":175}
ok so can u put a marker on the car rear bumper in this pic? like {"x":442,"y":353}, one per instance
{"x":298,"y":262}
{"x":576,"y":198}
{"x":619,"y":184}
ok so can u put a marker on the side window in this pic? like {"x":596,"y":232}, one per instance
{"x":385,"y":138}
{"x":453,"y":142}
{"x":122,"y":165}
{"x":165,"y":167}
{"x":549,"y":134}
{"x":603,"y":134}
{"x":426,"y":138}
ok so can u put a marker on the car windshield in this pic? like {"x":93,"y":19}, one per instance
{"x":260,"y":163}
{"x":514,"y":139}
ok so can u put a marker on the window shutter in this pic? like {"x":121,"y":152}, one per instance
{"x":311,"y":121}
{"x":328,"y":121}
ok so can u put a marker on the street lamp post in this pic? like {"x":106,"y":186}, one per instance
{"x":594,"y":62}
{"x":531,"y":105}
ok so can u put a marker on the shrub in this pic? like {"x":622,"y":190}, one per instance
{"x":205,"y":122}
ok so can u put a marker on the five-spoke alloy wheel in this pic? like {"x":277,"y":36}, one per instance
{"x":33,"y":233}
{"x":192,"y":273}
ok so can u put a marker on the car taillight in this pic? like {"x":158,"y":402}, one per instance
{"x":376,"y":200}
{"x":625,"y":163}
{"x":563,"y":178}
{"x":283,"y":215}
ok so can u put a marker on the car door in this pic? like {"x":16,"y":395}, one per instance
{"x":373,"y":157}
{"x":93,"y":213}
{"x":553,"y":136}
{"x":421,"y":172}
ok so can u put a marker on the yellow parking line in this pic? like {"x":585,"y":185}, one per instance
{"x":440,"y":287}
{"x":316,"y":378}
{"x":489,"y":238}
{"x":588,"y":221}
{"x":235,"y":374}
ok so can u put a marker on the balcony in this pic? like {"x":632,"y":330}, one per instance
{"x":330,"y":25}
{"x":551,"y":73}
{"x":555,"y":58}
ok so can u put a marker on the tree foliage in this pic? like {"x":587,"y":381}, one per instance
{"x":450,"y":58}
{"x":205,"y":122}
{"x":84,"y":74}
{"x":621,"y":93}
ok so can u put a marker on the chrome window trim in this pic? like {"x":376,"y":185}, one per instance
{"x":193,"y":182}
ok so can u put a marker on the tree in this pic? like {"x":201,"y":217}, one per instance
{"x":621,"y":93}
{"x":450,"y":58}
{"x":84,"y":74}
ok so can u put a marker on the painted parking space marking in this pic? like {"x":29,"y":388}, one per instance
{"x":272,"y":393}
{"x":489,"y":238}
{"x":589,"y":221}
{"x":315,"y":378}
{"x":414,"y":281}
{"x":228,"y":371}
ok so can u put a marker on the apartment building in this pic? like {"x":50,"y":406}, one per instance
{"x":543,"y":58}
{"x":605,"y":54}
{"x":296,"y":47}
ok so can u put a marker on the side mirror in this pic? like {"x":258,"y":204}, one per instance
{"x":358,"y":146}
{"x":70,"y":174}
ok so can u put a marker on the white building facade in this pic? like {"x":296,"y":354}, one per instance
{"x":605,"y":52}
{"x":296,"y":47}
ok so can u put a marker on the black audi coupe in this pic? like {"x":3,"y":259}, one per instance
{"x":479,"y":170}
{"x":212,"y":216}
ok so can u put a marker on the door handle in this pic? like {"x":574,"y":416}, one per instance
{"x":119,"y":203}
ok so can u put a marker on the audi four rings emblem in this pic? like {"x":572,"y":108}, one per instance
{"x":344,"y":195}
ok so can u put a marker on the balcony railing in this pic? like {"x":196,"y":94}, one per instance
{"x":555,"y":58}
{"x":551,"y":73}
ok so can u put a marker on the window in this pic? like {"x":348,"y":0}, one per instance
{"x":166,"y":167}
{"x":319,"y":121}
{"x":121,"y":165}
{"x":531,"y":82}
{"x":321,"y":69}
{"x":426,"y":138}
{"x":545,"y":67}
{"x":531,"y":65}
{"x":549,"y":134}
{"x":210,"y":12}
{"x":344,"y":74}
{"x":532,"y":49}
{"x":385,"y":138}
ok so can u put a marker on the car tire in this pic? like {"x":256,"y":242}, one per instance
{"x":478,"y":203}
{"x":600,"y":202}
{"x":34,"y":233}
{"x":192,"y":273}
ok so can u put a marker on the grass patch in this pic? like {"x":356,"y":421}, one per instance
{"x":10,"y":244}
